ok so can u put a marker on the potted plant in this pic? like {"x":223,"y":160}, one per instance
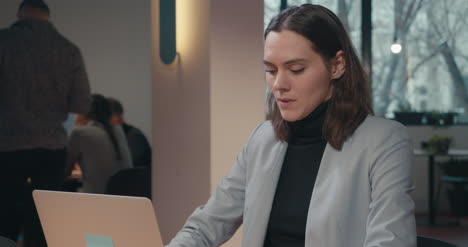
{"x":437,"y":144}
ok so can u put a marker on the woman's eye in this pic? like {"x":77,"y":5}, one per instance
{"x":270,"y":71}
{"x":297,"y":70}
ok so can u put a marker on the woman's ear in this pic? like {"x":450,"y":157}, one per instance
{"x":338,"y":66}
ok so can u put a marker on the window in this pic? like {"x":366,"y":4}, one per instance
{"x":430,"y":73}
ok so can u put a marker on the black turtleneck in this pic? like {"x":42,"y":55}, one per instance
{"x":288,"y":216}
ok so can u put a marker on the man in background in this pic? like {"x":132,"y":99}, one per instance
{"x":42,"y":79}
{"x":137,"y":142}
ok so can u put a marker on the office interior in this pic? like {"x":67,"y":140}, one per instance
{"x":199,"y":110}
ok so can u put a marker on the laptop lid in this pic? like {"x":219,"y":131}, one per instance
{"x":82,"y":220}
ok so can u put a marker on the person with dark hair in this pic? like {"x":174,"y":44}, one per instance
{"x":98,"y":147}
{"x":137,"y":142}
{"x":36,"y":9}
{"x":322,"y":171}
{"x":42,"y":80}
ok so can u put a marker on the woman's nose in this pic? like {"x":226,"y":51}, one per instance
{"x":281,"y":82}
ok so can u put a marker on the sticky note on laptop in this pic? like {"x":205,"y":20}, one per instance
{"x":98,"y":241}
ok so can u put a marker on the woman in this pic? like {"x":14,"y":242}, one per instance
{"x":99,"y":148}
{"x":322,"y":172}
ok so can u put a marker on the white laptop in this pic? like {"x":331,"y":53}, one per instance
{"x":90,"y":220}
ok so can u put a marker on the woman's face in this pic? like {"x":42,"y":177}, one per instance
{"x":296,"y":74}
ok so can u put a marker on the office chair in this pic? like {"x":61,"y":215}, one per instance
{"x":455,"y":172}
{"x":432,"y":242}
{"x":130,"y":182}
{"x":6,"y":242}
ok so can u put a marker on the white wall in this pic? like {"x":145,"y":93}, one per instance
{"x":206,"y":104}
{"x":181,"y":117}
{"x":114,"y":37}
{"x":237,"y":81}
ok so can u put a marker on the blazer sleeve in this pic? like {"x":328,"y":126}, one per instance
{"x":391,"y":221}
{"x":215,"y":222}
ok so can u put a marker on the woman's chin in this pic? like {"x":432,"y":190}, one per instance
{"x":290,"y":117}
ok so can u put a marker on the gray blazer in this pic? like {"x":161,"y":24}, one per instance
{"x":360,"y":198}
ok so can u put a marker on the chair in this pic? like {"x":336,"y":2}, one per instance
{"x":455,"y":173}
{"x":6,"y":242}
{"x":432,"y":242}
{"x":130,"y":182}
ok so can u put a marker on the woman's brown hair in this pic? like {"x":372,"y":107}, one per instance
{"x":350,"y":102}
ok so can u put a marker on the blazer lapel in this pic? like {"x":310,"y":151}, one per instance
{"x":320,"y":228}
{"x":260,"y":206}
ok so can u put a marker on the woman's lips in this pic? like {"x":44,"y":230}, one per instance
{"x":284,"y":102}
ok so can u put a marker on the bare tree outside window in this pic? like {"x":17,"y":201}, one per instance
{"x":430,"y":72}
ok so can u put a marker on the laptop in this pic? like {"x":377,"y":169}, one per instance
{"x":86,"y":220}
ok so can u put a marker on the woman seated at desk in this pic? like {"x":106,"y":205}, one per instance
{"x":99,"y":148}
{"x":322,"y":172}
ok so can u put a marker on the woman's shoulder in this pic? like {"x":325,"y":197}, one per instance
{"x":263,"y":131}
{"x":263,"y":136}
{"x":377,"y":128}
{"x":378,"y":122}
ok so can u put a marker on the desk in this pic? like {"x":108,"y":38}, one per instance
{"x":452,"y":153}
